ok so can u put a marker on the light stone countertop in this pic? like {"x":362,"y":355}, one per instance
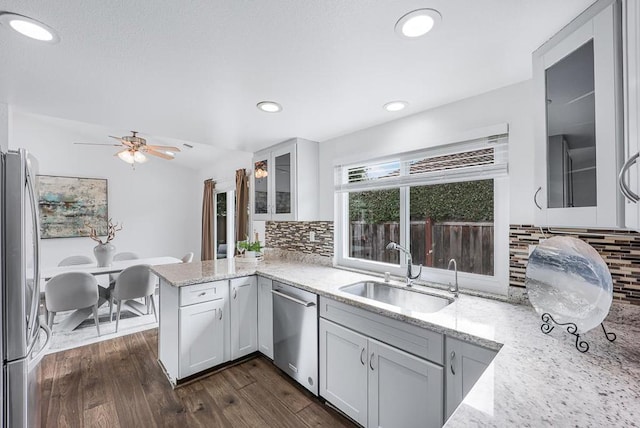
{"x":536,"y":380}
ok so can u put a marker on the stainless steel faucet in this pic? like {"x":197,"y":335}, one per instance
{"x":410,"y":277}
{"x":454,"y":288}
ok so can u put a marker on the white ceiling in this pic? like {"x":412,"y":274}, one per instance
{"x":195,"y":70}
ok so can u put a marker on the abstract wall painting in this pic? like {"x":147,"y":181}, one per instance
{"x":67,"y":204}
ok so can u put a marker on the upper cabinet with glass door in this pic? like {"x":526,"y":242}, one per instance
{"x":630,"y":174}
{"x":578,"y":128}
{"x":285,"y":181}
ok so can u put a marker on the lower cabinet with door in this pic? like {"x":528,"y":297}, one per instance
{"x":204,"y":325}
{"x":377,"y":370}
{"x":465,"y":363}
{"x":382,"y":372}
{"x":194,"y":328}
{"x":244,"y":316}
{"x":265,"y":317}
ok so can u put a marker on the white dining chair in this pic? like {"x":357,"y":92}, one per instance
{"x":133,"y":283}
{"x":69,"y":291}
{"x":188,"y":258}
{"x":75,"y":260}
{"x":119,"y":257}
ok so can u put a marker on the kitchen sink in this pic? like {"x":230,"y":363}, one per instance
{"x":404,"y":298}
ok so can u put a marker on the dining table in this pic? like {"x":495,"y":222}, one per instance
{"x":77,"y":317}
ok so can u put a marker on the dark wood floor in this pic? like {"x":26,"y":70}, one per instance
{"x":118,"y":383}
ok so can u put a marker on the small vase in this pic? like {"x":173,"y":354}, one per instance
{"x":104,"y":254}
{"x":250,"y":254}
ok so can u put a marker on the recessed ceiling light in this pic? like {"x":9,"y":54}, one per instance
{"x":417,"y":23}
{"x":269,"y":106}
{"x":29,"y":27}
{"x":395,"y":105}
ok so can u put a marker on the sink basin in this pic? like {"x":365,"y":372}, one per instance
{"x":404,"y":298}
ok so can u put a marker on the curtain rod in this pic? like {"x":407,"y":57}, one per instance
{"x":227,"y":179}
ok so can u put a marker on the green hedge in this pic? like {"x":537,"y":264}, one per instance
{"x":466,"y":201}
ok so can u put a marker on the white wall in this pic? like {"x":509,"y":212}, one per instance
{"x":511,"y":105}
{"x":158,"y":203}
{"x":4,"y":127}
{"x":223,"y":171}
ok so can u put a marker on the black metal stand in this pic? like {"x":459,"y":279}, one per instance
{"x":572,"y":329}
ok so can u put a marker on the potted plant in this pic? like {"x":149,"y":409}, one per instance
{"x":250,"y":249}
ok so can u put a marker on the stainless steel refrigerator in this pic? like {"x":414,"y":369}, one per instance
{"x":24,"y":338}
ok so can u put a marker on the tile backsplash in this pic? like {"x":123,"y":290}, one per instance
{"x":619,"y":249}
{"x":295,"y":236}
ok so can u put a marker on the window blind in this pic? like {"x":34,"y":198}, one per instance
{"x":480,"y":158}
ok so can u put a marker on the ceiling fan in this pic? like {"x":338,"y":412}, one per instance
{"x":135,"y":149}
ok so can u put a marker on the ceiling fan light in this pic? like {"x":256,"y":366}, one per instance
{"x":139,"y":157}
{"x":127,"y":156}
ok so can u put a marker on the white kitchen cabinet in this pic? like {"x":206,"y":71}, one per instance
{"x":244,"y":316}
{"x":265,"y":317}
{"x":376,"y":384}
{"x":630,"y":178}
{"x":404,"y":391}
{"x":344,"y":370}
{"x":201,"y":337}
{"x":578,"y":106}
{"x":284,"y":181}
{"x":194,"y":328}
{"x":465,"y":363}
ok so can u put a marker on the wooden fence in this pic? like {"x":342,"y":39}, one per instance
{"x":432,"y":244}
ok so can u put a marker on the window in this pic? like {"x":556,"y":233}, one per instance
{"x":448,"y":202}
{"x":374,"y":219}
{"x":225,"y":223}
{"x":453,"y":221}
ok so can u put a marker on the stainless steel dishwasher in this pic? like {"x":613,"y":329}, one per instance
{"x":295,"y":334}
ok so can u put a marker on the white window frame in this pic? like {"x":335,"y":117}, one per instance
{"x":498,"y":283}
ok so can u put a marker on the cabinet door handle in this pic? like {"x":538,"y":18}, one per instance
{"x":220,"y":313}
{"x":622,"y":184}
{"x":453,"y":357}
{"x":362,"y":357}
{"x":371,"y":361}
{"x":235,"y":293}
{"x":535,"y":198}
{"x":204,"y":293}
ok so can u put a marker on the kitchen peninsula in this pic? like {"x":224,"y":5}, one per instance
{"x":557,"y":386}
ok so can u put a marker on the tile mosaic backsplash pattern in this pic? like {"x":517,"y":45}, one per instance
{"x":620,"y":251}
{"x":294,"y":236}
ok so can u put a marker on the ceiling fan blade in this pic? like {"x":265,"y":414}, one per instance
{"x":166,"y":148}
{"x":125,"y":142}
{"x":158,"y":154}
{"x":99,"y":144}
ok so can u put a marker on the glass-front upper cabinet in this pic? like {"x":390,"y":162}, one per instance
{"x":273,"y":182}
{"x":285,"y":181}
{"x":578,"y":128}
{"x":630,"y":174}
{"x":282,"y":182}
{"x":261,"y":185}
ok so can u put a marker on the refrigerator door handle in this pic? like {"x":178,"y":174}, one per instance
{"x":35,"y":359}
{"x":35,"y":299}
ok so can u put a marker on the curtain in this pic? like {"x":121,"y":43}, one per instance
{"x":208,"y":221}
{"x":242,"y":205}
